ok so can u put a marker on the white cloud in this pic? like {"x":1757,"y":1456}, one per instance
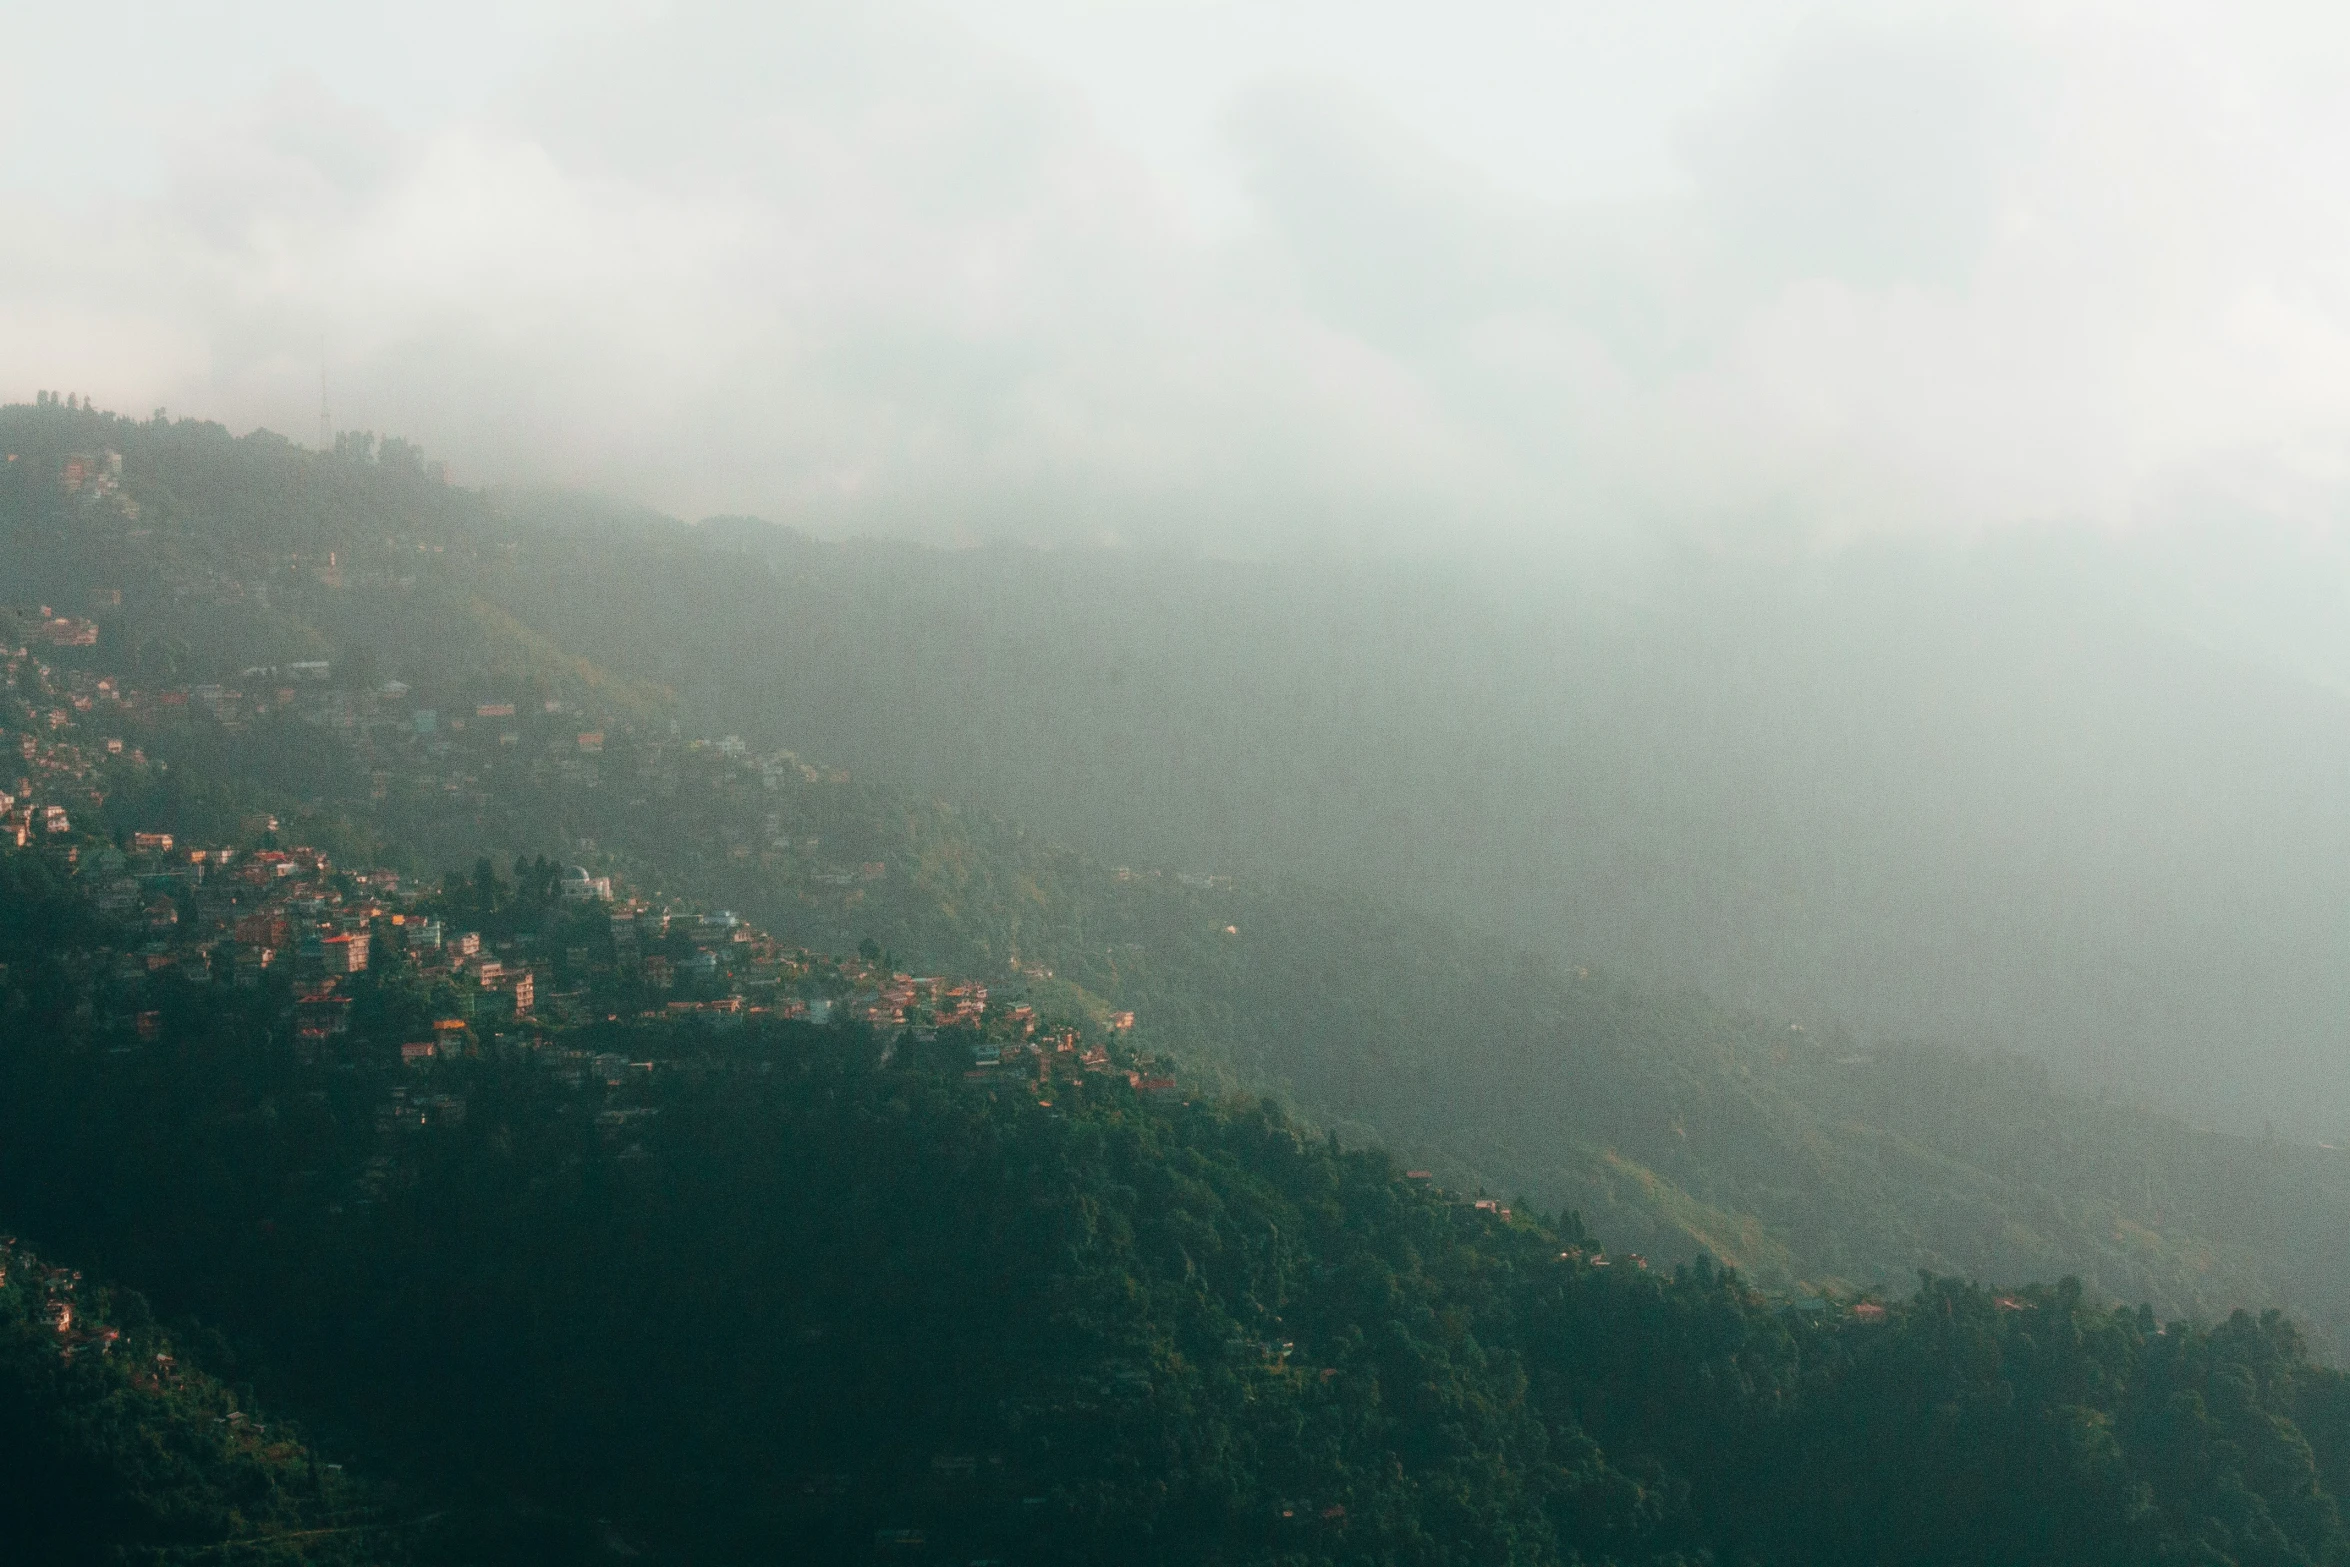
{"x":872,"y":268}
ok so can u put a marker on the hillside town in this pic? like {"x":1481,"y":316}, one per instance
{"x":360,"y":975}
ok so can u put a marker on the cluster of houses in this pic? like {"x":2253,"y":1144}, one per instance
{"x":213,"y":914}
{"x":436,"y":755}
{"x":239,"y":915}
{"x":58,"y":1310}
{"x":41,"y":625}
{"x":226,"y":915}
{"x":49,"y":768}
{"x":95,"y":474}
{"x":234,"y":916}
{"x":737,"y":973}
{"x":254,"y":915}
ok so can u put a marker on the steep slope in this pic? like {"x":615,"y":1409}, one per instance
{"x":1674,"y":1125}
{"x":115,"y":1444}
{"x":779,"y":1294}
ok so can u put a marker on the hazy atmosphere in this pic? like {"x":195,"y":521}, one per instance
{"x":1268,"y":785}
{"x":1231,"y":277}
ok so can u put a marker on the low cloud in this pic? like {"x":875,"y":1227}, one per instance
{"x":870,"y":272}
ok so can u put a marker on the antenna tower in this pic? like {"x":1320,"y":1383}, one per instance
{"x":326,"y":424}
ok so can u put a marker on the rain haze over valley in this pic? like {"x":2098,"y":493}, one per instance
{"x":1841,"y":505}
{"x":1730,"y":619}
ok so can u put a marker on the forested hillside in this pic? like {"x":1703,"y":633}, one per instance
{"x":783,"y":1292}
{"x":1801,"y":1154}
{"x":116,"y":1442}
{"x":825,"y":1190}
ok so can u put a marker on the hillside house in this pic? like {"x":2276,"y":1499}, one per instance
{"x":506,"y":996}
{"x":578,"y":886}
{"x":342,"y":953}
{"x":321,"y":1014}
{"x":262,"y":929}
{"x":97,"y":473}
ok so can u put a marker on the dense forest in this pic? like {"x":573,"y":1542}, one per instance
{"x":803,"y":1302}
{"x":653,"y":1276}
{"x":121,"y":1446}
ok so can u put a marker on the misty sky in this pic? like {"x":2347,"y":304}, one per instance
{"x":1219,"y":273}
